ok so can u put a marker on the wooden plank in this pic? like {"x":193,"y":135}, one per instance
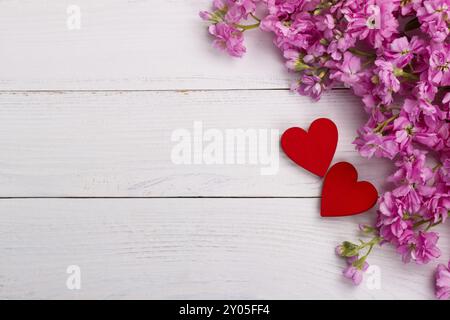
{"x":190,"y":248}
{"x":119,"y":144}
{"x":127,"y":45}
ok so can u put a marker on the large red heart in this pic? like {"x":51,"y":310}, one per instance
{"x":312,"y":150}
{"x":343,"y":195}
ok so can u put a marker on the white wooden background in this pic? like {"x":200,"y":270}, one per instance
{"x":86,"y":177}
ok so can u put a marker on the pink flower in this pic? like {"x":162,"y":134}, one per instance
{"x":309,"y":85}
{"x":371,"y":144}
{"x":425,"y":94}
{"x":420,"y":248}
{"x":206,"y":15}
{"x":339,"y":250}
{"x":354,"y":271}
{"x":348,"y":71}
{"x":402,"y":51}
{"x":239,"y":10}
{"x":438,"y":206}
{"x":434,"y":10}
{"x":294,"y":61}
{"x":411,"y":180}
{"x":404,"y":130}
{"x":228,"y":39}
{"x":444,"y":171}
{"x":407,"y":7}
{"x":433,"y":17}
{"x":218,"y":6}
{"x":374,"y":21}
{"x":439,"y":73}
{"x":387,"y":82}
{"x":392,"y":220}
{"x":442,"y":277}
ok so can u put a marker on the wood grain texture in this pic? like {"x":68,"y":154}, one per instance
{"x":189,"y":248}
{"x":126,"y":45}
{"x":118,"y":144}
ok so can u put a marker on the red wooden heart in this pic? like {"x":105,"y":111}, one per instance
{"x":343,"y":195}
{"x":312,"y":150}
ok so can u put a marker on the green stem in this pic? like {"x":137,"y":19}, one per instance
{"x":368,"y":62}
{"x":406,"y":75}
{"x":255,"y":17}
{"x":431,"y":225}
{"x":360,"y":262}
{"x":430,"y":222}
{"x":418,"y":224}
{"x":361,"y":53}
{"x":371,"y":243}
{"x":247,"y":27}
{"x":370,"y":250}
{"x":383,"y":125}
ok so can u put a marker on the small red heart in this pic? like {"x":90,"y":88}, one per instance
{"x":343,"y":195}
{"x":312,"y":150}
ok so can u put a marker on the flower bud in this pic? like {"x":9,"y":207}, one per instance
{"x":339,"y":250}
{"x":366,"y":228}
{"x":349,"y":249}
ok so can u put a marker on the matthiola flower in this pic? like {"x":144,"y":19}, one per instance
{"x":412,"y":168}
{"x":438,"y":206}
{"x":412,"y":180}
{"x":294,"y":61}
{"x":409,"y":6}
{"x":377,"y":145}
{"x":371,"y":144}
{"x":442,"y":277}
{"x":339,"y":44}
{"x":439,"y":73}
{"x":284,"y":8}
{"x":309,"y":85}
{"x":444,"y":171}
{"x":404,"y":130}
{"x":433,"y":17}
{"x":240,"y":9}
{"x":355,"y":269}
{"x":386,"y":81}
{"x":424,"y":94}
{"x":374,"y":21}
{"x":402,"y":50}
{"x":394,"y":219}
{"x":228,"y":39}
{"x":220,"y":8}
{"x":420,"y":248}
{"x":226,"y":27}
{"x":438,"y":31}
{"x":348,"y":71}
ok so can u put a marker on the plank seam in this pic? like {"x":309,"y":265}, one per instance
{"x":168,"y":197}
{"x":150,"y":90}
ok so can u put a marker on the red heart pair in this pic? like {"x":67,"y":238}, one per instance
{"x":342,"y":194}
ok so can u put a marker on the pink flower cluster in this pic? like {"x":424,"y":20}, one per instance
{"x":395,"y":55}
{"x":443,"y":281}
{"x":225,"y":27}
